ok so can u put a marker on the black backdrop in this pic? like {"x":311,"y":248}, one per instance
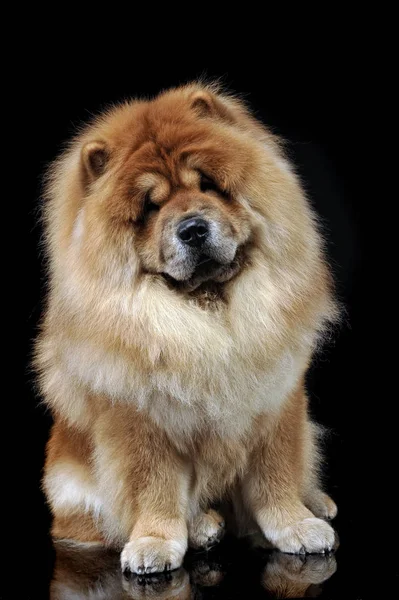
{"x":310,"y":104}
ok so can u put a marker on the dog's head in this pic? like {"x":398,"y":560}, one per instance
{"x":165,"y":186}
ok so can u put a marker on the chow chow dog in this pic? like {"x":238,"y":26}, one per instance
{"x":188,"y":290}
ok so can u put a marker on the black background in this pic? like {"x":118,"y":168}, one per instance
{"x":313,"y":102}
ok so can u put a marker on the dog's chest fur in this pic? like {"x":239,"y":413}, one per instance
{"x":222,"y":396}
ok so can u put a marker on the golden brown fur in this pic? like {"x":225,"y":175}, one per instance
{"x":175,"y":384}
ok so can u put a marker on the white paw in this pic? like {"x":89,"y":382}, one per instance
{"x":152,"y":555}
{"x":206,"y":530}
{"x":308,"y":536}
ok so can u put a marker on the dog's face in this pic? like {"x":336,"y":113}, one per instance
{"x":188,"y":227}
{"x":165,"y":181}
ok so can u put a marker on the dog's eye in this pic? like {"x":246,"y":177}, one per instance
{"x":208,"y":185}
{"x":149,"y":206}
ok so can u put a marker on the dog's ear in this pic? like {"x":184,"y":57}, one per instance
{"x":203,"y":103}
{"x":207,"y":104}
{"x":95,"y":156}
{"x":210,"y":102}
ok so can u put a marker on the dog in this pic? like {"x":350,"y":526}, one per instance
{"x":188,"y":290}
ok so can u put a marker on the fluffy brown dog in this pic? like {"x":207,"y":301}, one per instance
{"x":188,"y":290}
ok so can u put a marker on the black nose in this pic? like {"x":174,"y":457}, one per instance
{"x":193,"y":231}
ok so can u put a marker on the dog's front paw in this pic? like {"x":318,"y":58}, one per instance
{"x":309,"y":536}
{"x":206,"y":530}
{"x":147,"y":555}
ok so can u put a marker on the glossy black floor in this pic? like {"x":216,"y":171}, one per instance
{"x":235,"y":569}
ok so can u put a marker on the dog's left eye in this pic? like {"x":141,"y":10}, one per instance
{"x":208,"y":185}
{"x":149,"y":206}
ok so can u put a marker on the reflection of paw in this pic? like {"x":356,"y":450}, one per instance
{"x":322,"y":505}
{"x":206,"y":530}
{"x":152,"y":555}
{"x":291,"y":576}
{"x":310,"y":535}
{"x":162,"y":586}
{"x":206,"y":574}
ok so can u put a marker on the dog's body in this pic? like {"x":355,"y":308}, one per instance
{"x":188,"y":290}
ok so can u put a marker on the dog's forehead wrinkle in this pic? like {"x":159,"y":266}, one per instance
{"x":171,"y":149}
{"x":168,"y":171}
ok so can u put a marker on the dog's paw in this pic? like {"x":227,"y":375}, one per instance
{"x":206,"y":530}
{"x":309,"y":536}
{"x":322,"y":505}
{"x":147,"y":555}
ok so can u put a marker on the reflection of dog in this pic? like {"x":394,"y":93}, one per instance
{"x":85,"y":571}
{"x":188,"y":290}
{"x":93,"y":573}
{"x":288,"y":576}
{"x":163,"y":586}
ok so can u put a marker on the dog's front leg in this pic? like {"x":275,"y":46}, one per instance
{"x":146,"y":485}
{"x":158,"y":540}
{"x":277,"y":475}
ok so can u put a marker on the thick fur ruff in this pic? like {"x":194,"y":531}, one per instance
{"x":175,"y":386}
